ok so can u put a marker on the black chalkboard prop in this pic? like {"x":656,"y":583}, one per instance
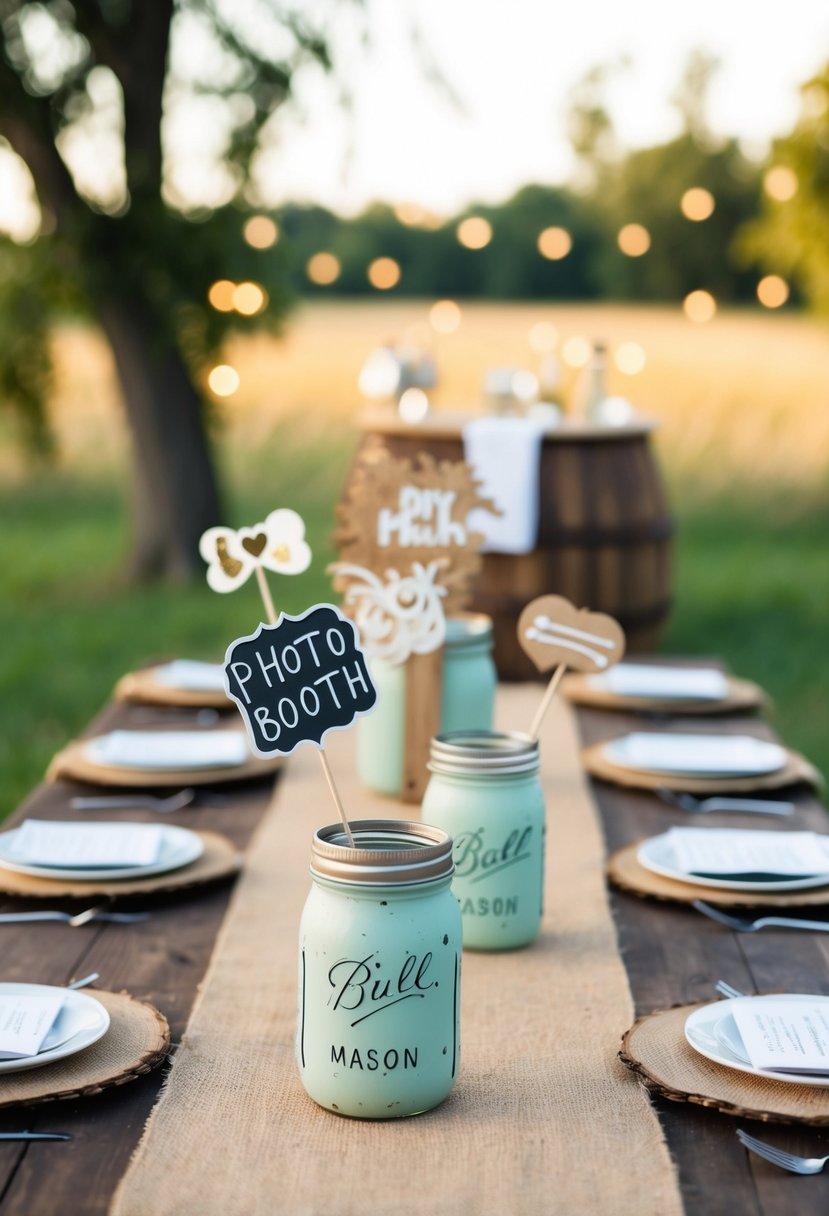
{"x":299,"y":679}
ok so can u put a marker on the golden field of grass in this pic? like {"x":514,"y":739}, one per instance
{"x":743,"y":397}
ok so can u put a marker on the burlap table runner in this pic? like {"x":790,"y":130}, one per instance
{"x":544,"y":1120}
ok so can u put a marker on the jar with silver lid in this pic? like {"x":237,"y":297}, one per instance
{"x":468,"y":684}
{"x":379,"y":970}
{"x":485,"y":791}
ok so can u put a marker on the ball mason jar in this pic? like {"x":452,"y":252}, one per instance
{"x":468,"y":684}
{"x":379,"y":970}
{"x":485,"y":792}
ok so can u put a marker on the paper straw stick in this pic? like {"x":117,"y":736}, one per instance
{"x":546,"y":700}
{"x":326,"y":768}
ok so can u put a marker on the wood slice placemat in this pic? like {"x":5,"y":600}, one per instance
{"x":655,"y":1049}
{"x":797,"y":770}
{"x":626,"y":872}
{"x":741,"y":696}
{"x":144,"y":688}
{"x":73,"y":764}
{"x":137,"y":1041}
{"x":219,"y":861}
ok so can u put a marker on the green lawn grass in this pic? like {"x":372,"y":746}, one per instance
{"x":752,"y":585}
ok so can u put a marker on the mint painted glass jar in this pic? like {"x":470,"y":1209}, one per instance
{"x":467,"y":701}
{"x":379,"y":971}
{"x":485,"y":791}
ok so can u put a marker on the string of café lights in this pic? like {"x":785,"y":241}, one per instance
{"x":554,"y":243}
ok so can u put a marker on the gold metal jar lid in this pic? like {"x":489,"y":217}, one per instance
{"x":475,"y":753}
{"x":388,"y":852}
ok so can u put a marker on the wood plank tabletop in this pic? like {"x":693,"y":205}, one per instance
{"x":673,"y":956}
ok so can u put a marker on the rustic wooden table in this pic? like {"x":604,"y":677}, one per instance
{"x":672,"y":954}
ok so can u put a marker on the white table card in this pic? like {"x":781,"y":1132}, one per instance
{"x":25,"y":1021}
{"x":786,"y":1036}
{"x":732,"y":851}
{"x":82,"y":845}
{"x":649,"y":680}
{"x":192,"y":675}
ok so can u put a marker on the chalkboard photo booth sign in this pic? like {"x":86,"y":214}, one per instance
{"x":299,"y":679}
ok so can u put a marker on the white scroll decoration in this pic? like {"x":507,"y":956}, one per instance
{"x":399,"y":617}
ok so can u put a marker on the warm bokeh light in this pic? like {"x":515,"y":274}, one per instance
{"x":260,"y":232}
{"x":576,"y":351}
{"x":445,"y":316}
{"x":474,"y":232}
{"x":630,"y":358}
{"x":772,"y":291}
{"x":220,"y":295}
{"x":699,"y":306}
{"x":814,"y":101}
{"x":249,"y":299}
{"x":383,"y":273}
{"x":697,"y":204}
{"x":413,"y":405}
{"x":223,"y":380}
{"x":525,"y":386}
{"x":543,"y":337}
{"x":780,"y":183}
{"x":634,"y":240}
{"x":413,"y":215}
{"x":323,"y":268}
{"x":554,"y":243}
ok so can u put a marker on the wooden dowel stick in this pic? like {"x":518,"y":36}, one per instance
{"x":326,"y":768}
{"x":266,"y":595}
{"x":546,"y":699}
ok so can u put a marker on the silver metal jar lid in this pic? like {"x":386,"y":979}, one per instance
{"x":477,"y":752}
{"x":468,"y":629}
{"x":388,"y":852}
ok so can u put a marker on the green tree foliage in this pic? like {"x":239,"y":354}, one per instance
{"x":791,"y":237}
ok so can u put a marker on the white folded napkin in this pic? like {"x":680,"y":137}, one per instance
{"x":702,"y":755}
{"x":180,"y":749}
{"x":25,"y":1021}
{"x":191,"y":675}
{"x":732,"y":851}
{"x":504,"y":454}
{"x":649,"y":680}
{"x":81,"y":846}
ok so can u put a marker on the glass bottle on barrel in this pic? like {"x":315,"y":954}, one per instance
{"x":590,"y":391}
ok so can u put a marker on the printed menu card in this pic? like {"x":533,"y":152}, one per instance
{"x":25,"y":1021}
{"x":729,"y":851}
{"x":785,"y":1035}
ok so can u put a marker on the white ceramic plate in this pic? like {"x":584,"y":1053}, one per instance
{"x":80,"y":1023}
{"x":164,"y":750}
{"x":179,"y":847}
{"x":656,"y":854}
{"x":708,"y":1032}
{"x":696,"y":755}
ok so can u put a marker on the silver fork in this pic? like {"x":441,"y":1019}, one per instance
{"x":726,"y":804}
{"x":728,"y":990}
{"x":80,"y":918}
{"x":777,"y":1156}
{"x":164,"y":806}
{"x":744,"y":925}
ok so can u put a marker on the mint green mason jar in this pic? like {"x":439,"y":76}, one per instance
{"x":467,"y":701}
{"x":485,"y":792}
{"x":379,"y":970}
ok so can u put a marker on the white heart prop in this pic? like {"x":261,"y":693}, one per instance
{"x":277,"y":544}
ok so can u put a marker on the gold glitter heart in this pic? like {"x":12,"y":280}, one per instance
{"x":281,"y":553}
{"x":255,"y":544}
{"x":229,"y":564}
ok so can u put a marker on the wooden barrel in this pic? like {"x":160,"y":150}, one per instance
{"x":604,"y":528}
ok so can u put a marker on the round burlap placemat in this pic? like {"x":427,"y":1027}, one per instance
{"x":655,"y":1049}
{"x":626,"y":872}
{"x":796,"y":770}
{"x":742,"y":695}
{"x":137,"y":1041}
{"x":220,"y":860}
{"x":73,"y":764}
{"x":144,"y":688}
